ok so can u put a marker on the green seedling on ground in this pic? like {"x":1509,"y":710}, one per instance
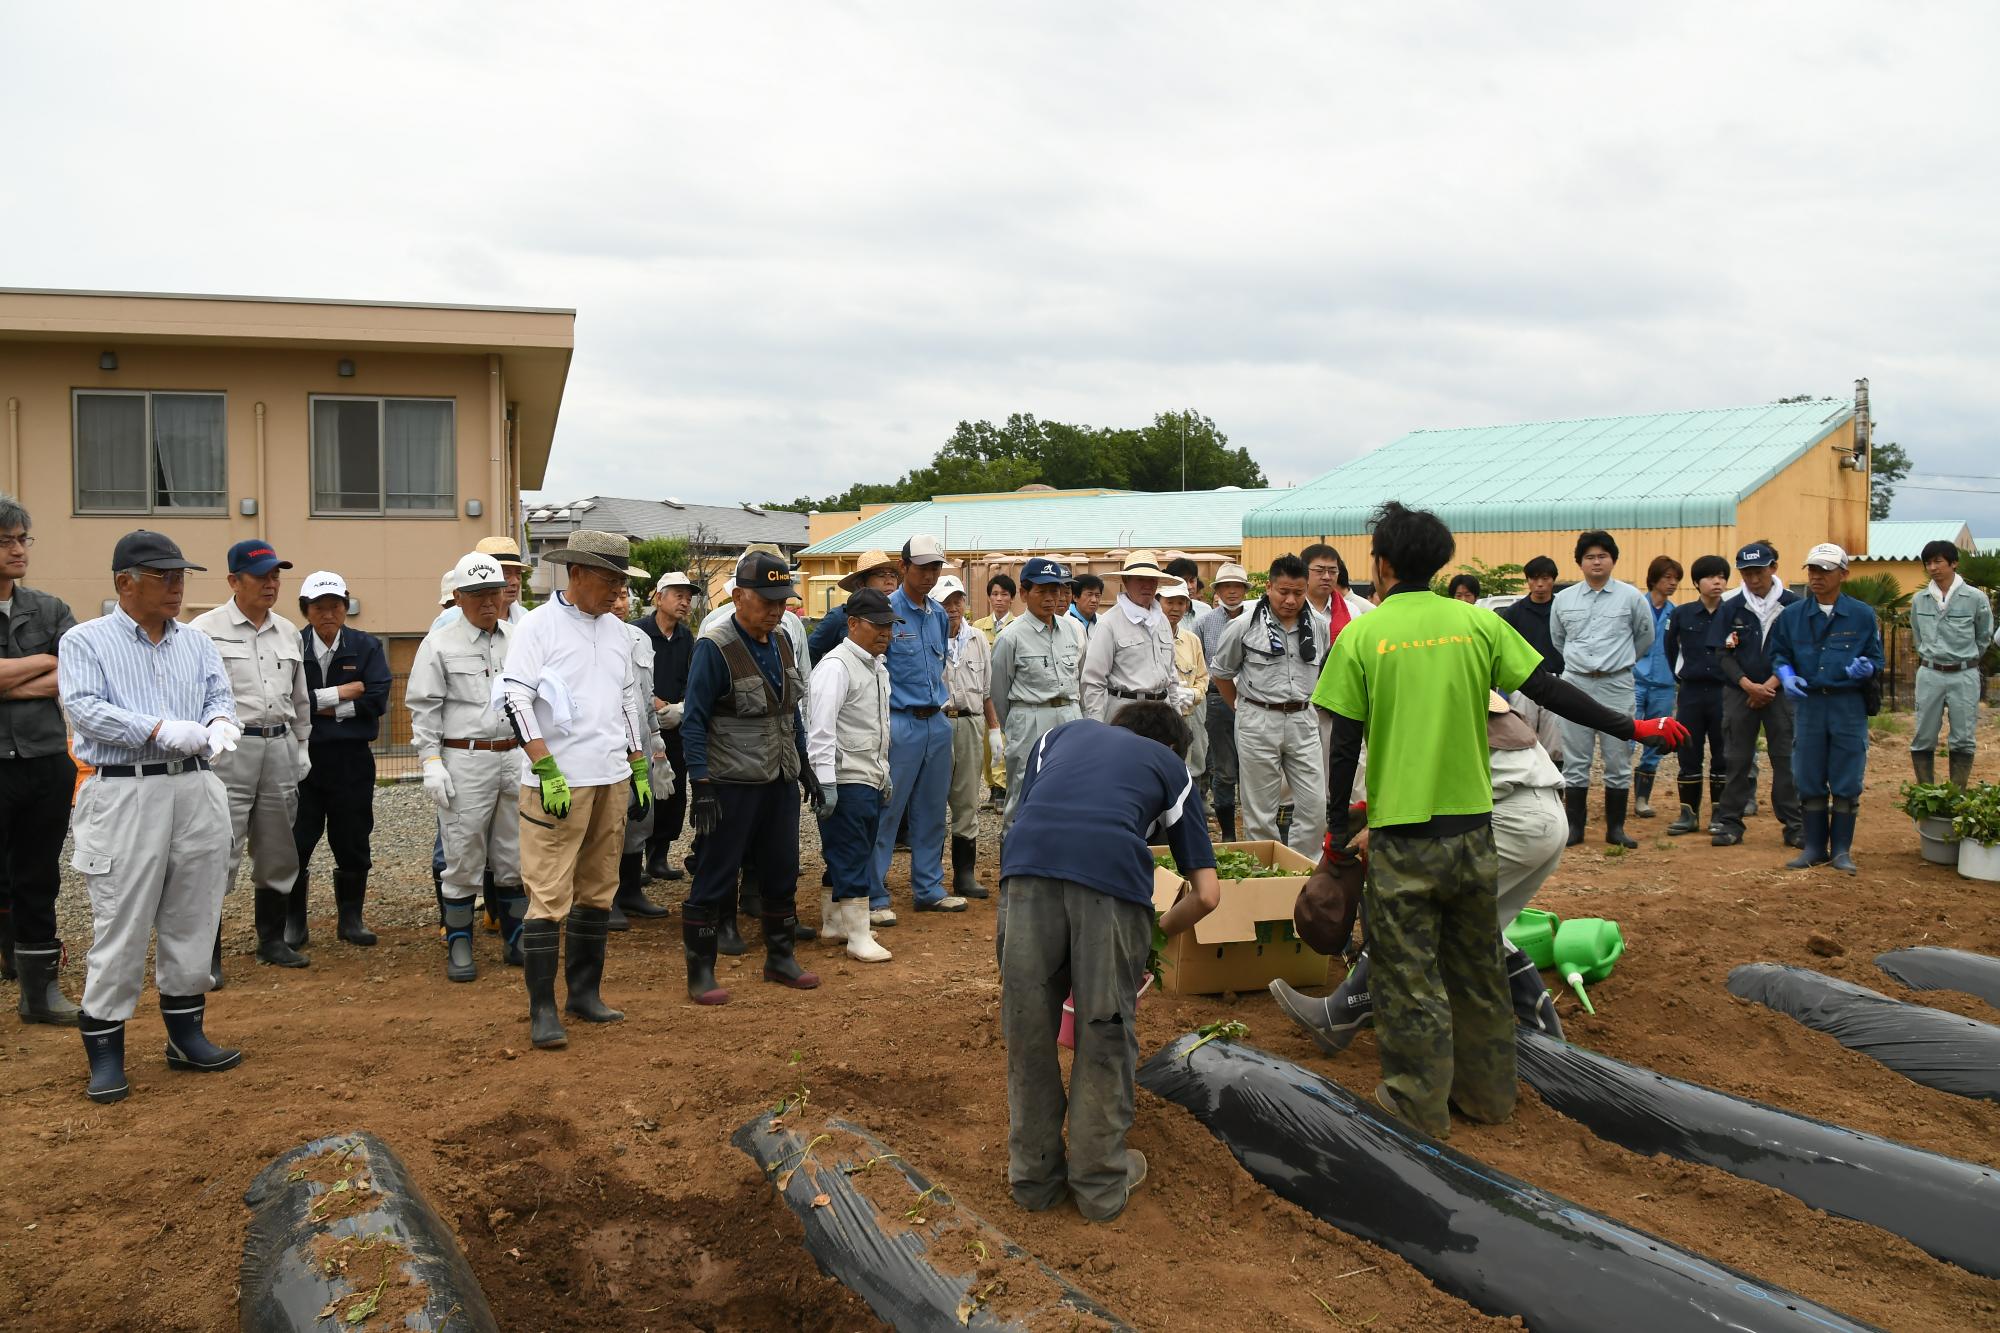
{"x":1235,"y":1029}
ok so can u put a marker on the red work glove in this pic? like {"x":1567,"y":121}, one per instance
{"x":1664,"y":732}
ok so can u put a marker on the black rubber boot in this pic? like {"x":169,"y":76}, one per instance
{"x":1642,"y":794}
{"x":350,"y":894}
{"x":271,"y":946}
{"x":1716,"y":782}
{"x":1332,"y":1021}
{"x":616,"y":919}
{"x":1961,"y":769}
{"x":632,"y":899}
{"x":1576,"y":803}
{"x":104,"y":1046}
{"x":216,"y":981}
{"x":1840,"y":834}
{"x":540,"y":942}
{"x":965,"y":869}
{"x":297,"y":932}
{"x":698,"y":946}
{"x":583,"y":969}
{"x":1924,"y":764}
{"x":514,"y":912}
{"x":779,"y":963}
{"x":1614,"y":818}
{"x":728,"y":939}
{"x":188,"y":1047}
{"x":1690,"y":820}
{"x":42,"y":1000}
{"x":663,"y":867}
{"x":459,"y":964}
{"x":1534,"y":1007}
{"x":1814,"y":853}
{"x":7,"y":968}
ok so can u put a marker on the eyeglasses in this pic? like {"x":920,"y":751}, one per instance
{"x":16,"y":543}
{"x":1323,"y":569}
{"x":173,"y":578}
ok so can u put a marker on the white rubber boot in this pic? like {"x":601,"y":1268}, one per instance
{"x":832,"y":921}
{"x":861,"y":945}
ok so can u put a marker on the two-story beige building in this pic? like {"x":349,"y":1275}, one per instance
{"x":379,"y":440}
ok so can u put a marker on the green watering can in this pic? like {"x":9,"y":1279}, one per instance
{"x":1586,"y":949}
{"x":1534,"y":933}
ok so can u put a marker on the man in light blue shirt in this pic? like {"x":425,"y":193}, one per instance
{"x":1602,"y":628}
{"x":919,"y":739}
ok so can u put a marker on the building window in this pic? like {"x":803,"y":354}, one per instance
{"x":142,"y":453}
{"x":383,"y":456}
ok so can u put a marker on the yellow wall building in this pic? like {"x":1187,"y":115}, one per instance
{"x":1896,"y":548}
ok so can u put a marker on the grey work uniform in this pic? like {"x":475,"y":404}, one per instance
{"x":151,"y":827}
{"x":1127,"y":660}
{"x":968,"y":678}
{"x":267,"y":673}
{"x":1209,"y":627}
{"x":450,"y":698}
{"x":1277,"y":734}
{"x":1036,"y":667}
{"x":1950,"y":635}
{"x":1601,"y":634}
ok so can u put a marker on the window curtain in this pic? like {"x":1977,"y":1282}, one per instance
{"x":111,"y":451}
{"x":417,"y":459}
{"x":346,"y":456}
{"x":189,"y":450}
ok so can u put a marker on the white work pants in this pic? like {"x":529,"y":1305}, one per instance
{"x":152,"y":852}
{"x":482,"y":830}
{"x":262,"y":778}
{"x":1529,"y":830}
{"x":1275,"y":750}
{"x":968,"y":775}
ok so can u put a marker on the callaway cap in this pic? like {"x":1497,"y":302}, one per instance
{"x":255,"y":557}
{"x":323,"y":583}
{"x":948,"y":586}
{"x":1041,"y":569}
{"x":923,"y":550}
{"x":871,"y":605}
{"x":477,"y":572}
{"x":1756,"y":556}
{"x":765,"y":574}
{"x":1826,"y":556}
{"x":149,"y":550}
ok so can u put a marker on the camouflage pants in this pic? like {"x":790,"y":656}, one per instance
{"x":1443,"y":1019}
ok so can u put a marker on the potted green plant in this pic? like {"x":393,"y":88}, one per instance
{"x":1977,"y":824}
{"x":1932,"y":805}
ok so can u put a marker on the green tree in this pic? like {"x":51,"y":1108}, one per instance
{"x":1880,"y":591}
{"x":657,"y":555}
{"x":1889,"y":466}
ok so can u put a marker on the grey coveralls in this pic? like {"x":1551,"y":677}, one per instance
{"x":267,"y":674}
{"x":450,"y":698}
{"x":1036,"y":677}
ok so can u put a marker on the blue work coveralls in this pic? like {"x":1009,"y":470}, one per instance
{"x":919,"y":751}
{"x":1830,"y":732}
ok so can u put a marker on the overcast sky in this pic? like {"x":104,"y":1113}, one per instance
{"x":803,"y":241}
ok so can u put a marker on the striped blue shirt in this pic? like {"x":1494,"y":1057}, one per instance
{"x":117,"y":685}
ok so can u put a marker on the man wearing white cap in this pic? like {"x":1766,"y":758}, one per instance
{"x":1827,"y":646}
{"x":969,"y":705}
{"x":470,"y":760}
{"x":1131,"y":654}
{"x":632,"y":900}
{"x":673,"y":649}
{"x":347,"y":677}
{"x":1190,"y":673}
{"x":919,"y":738}
{"x":1232,"y":583}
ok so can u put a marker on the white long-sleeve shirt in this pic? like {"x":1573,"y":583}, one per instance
{"x":847,"y":737}
{"x":568,"y":682}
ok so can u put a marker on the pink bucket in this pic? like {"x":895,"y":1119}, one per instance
{"x":1066,"y":1034}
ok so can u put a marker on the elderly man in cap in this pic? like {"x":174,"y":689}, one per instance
{"x":1232,"y":584}
{"x":875,"y":569}
{"x":151,"y":706}
{"x":847,"y":744}
{"x":672,"y":640}
{"x":568,"y":691}
{"x":1190,"y":673}
{"x":471,"y":761}
{"x":1130,"y":656}
{"x":347,"y":677}
{"x":1825,"y":648}
{"x":632,"y":900}
{"x":968,"y":678}
{"x":1268,"y":664}
{"x":746,"y":754}
{"x":1753,"y":698}
{"x":1037,"y":663}
{"x":265,"y":661}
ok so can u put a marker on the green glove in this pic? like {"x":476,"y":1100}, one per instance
{"x":555,"y":787}
{"x":642,"y":782}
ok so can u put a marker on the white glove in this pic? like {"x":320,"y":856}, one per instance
{"x":437,"y":783}
{"x":670,"y":718}
{"x":181,"y":738}
{"x":996,"y":742}
{"x":305,"y":761}
{"x":656,"y":752}
{"x":222,"y":735}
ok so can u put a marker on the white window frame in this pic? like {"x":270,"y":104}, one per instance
{"x":152,"y":505}
{"x":381,"y":401}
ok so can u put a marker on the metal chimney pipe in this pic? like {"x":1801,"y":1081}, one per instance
{"x":1863,"y":425}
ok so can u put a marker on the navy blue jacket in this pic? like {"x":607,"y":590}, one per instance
{"x":1819,"y":646}
{"x":1695,"y":660}
{"x":828,"y":634}
{"x":357,"y":656}
{"x":1736,"y":633}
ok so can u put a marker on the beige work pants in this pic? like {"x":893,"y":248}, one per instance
{"x":262,"y":776}
{"x":572,"y":862}
{"x":968,"y":774}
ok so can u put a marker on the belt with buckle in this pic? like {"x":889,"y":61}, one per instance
{"x":926,"y":711}
{"x":1297,"y":706}
{"x":1150,"y":696}
{"x":166,"y":770}
{"x":1060,"y":701}
{"x":479,"y":745}
{"x":267,"y":733}
{"x":1948,"y":666}
{"x":959,"y":712}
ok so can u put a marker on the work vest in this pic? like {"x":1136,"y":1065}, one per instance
{"x":750,"y":732}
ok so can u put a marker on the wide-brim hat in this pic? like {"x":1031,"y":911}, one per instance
{"x":505,"y":551}
{"x":869,"y":562}
{"x":598,"y":550}
{"x":1230,"y":572}
{"x":1142,"y":565}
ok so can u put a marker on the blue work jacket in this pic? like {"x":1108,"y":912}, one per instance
{"x":917,"y":650}
{"x":1819,"y":646}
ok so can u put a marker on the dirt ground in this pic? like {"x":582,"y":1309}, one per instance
{"x":594,"y":1188}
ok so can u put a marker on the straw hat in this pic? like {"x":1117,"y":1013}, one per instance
{"x":1141,"y":565}
{"x":505,"y":550}
{"x":869,"y":562}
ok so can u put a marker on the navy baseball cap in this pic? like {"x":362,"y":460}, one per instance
{"x":1756,"y":556}
{"x":255,"y":557}
{"x":871,"y":605}
{"x":149,"y":550}
{"x":1041,"y":569}
{"x":766,"y":575}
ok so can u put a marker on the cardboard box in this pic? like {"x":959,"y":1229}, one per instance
{"x":1248,"y":939}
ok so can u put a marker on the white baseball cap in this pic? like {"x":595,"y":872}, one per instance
{"x":1178,"y":588}
{"x":476,"y":571}
{"x":444,"y":588}
{"x":924,"y":550}
{"x":1826,"y":556}
{"x":673,"y":578}
{"x":948,"y":586}
{"x":323,"y":583}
